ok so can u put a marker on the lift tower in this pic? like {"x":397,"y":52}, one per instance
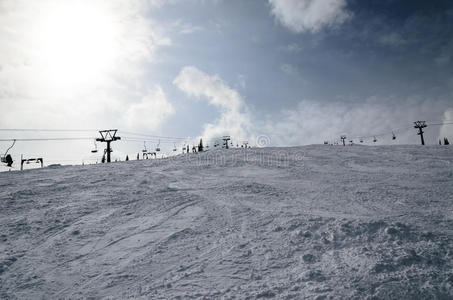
{"x":225,"y":139}
{"x":420,"y":125}
{"x":108,"y":136}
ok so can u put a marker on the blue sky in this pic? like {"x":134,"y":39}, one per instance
{"x":297,"y":72}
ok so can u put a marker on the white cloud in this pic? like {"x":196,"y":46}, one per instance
{"x":234,"y":117}
{"x":309,"y":15}
{"x":150,"y":112}
{"x":201,"y":85}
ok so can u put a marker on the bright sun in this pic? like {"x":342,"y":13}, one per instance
{"x":77,"y":43}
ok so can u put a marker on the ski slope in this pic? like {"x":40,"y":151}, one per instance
{"x":313,"y":222}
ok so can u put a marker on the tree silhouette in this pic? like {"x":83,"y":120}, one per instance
{"x":200,"y":146}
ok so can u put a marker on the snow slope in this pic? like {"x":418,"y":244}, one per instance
{"x":314,"y":222}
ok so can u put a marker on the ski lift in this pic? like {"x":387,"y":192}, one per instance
{"x":144,"y":148}
{"x":157,"y":148}
{"x":95,"y":150}
{"x":174,"y":148}
{"x":27,"y":161}
{"x":393,"y":136}
{"x":6,"y":158}
{"x":374,"y":140}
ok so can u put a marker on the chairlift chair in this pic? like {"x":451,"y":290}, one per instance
{"x":144,"y":148}
{"x":6,"y":158}
{"x":95,"y":150}
{"x":174,"y":148}
{"x":158,"y":148}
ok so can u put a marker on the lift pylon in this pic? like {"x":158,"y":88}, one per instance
{"x":108,"y":136}
{"x":420,"y":125}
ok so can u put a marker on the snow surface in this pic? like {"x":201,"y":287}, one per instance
{"x":314,"y":222}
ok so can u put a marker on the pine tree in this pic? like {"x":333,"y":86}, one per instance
{"x":200,"y":146}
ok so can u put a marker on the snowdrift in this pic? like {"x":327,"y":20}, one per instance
{"x":313,"y":222}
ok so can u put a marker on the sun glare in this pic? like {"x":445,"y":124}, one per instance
{"x":77,"y":44}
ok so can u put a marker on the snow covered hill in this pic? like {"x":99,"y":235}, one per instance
{"x":314,"y":222}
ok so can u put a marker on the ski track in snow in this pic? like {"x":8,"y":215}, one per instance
{"x":313,"y":222}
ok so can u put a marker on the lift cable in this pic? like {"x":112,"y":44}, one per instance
{"x":156,"y":136}
{"x":47,"y":139}
{"x":136,"y":139}
{"x":439,"y":124}
{"x":135,"y":135}
{"x":48,"y":130}
{"x":399,"y":130}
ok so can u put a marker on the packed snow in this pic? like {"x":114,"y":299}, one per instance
{"x":313,"y":222}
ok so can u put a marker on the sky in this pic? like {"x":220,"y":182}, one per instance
{"x":273,"y":73}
